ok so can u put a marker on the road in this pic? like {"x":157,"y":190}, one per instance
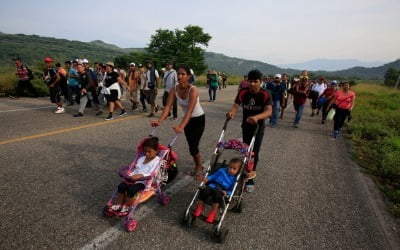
{"x":57,"y":172}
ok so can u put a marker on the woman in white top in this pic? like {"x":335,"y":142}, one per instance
{"x":193,"y":121}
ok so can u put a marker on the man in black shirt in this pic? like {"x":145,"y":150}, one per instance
{"x":52,"y":79}
{"x":257,"y":106}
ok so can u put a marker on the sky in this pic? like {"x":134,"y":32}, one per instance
{"x":275,"y":32}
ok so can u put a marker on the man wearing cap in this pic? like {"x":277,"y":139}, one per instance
{"x":170,"y":80}
{"x":152,"y":77}
{"x":112,"y":90}
{"x":52,"y":78}
{"x":256,"y":103}
{"x":300,"y":93}
{"x":278,"y":95}
{"x":133,"y":83}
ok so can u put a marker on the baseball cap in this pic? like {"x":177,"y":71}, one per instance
{"x":140,"y":65}
{"x":334,"y":82}
{"x":110,"y":64}
{"x":132,"y":64}
{"x":48,"y":59}
{"x":85,"y":60}
{"x":278,"y":76}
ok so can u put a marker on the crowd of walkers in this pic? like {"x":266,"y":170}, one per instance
{"x":261,"y":97}
{"x":324,"y":96}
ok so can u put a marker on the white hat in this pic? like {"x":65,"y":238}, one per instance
{"x":132,"y":64}
{"x":84,"y":60}
{"x":278,"y":76}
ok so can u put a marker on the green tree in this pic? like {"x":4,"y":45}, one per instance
{"x":391,"y":76}
{"x":135,"y":57}
{"x":181,"y":46}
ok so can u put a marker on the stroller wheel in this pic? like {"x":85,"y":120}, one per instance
{"x":220,"y":236}
{"x":238,"y":207}
{"x":183,"y":219}
{"x":166,"y":200}
{"x":130,"y":224}
{"x":163,"y":199}
{"x":107,"y":212}
{"x":187,"y":220}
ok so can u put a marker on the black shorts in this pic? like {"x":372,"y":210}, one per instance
{"x":55,"y":94}
{"x":113,"y":96}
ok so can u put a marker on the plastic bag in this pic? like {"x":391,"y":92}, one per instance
{"x":331,"y":114}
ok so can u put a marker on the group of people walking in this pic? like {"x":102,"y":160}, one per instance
{"x":260,"y":97}
{"x":323,"y":97}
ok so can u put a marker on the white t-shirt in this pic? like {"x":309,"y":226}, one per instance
{"x":145,"y":169}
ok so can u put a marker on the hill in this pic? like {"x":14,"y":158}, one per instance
{"x":238,"y":66}
{"x":363,"y":73}
{"x":33,"y":48}
{"x":330,"y":64}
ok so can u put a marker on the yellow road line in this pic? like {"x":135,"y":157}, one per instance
{"x":91,"y":125}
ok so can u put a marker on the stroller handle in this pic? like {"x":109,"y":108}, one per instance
{"x":153,"y":132}
{"x":173,"y":140}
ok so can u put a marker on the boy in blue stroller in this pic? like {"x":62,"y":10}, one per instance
{"x":217,"y":186}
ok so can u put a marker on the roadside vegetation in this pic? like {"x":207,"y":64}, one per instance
{"x":375,"y":132}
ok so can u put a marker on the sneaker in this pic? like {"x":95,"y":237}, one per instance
{"x":79,"y":114}
{"x":272,"y":125}
{"x":124,"y":211}
{"x":335,"y":134}
{"x":59,"y":110}
{"x":100,"y":112}
{"x":13,"y":96}
{"x":109,"y":117}
{"x":295,"y":125}
{"x":115,"y":208}
{"x":249,"y":188}
{"x":151,"y":115}
{"x":123,"y":113}
{"x":144,"y":110}
{"x":156,"y":108}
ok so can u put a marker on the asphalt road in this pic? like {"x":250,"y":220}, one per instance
{"x":57,"y":172}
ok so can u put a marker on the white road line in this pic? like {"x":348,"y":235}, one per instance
{"x":15,"y":110}
{"x":103,"y":240}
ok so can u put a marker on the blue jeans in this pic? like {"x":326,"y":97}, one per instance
{"x":275,"y":112}
{"x":299,"y":112}
{"x":212,"y":92}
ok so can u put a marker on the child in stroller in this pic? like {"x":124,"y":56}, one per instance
{"x":217,"y":186}
{"x":153,"y":167}
{"x":135,"y":181}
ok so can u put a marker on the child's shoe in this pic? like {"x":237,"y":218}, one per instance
{"x":198,"y":211}
{"x":115,"y":208}
{"x":124,"y":211}
{"x":211,"y":217}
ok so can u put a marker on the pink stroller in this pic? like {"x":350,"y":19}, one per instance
{"x":165,"y":171}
